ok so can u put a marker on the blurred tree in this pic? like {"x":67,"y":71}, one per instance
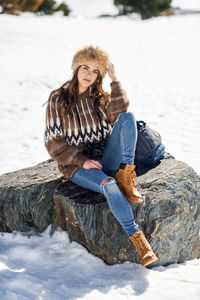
{"x":48,"y":7}
{"x":41,"y":6}
{"x":29,"y":5}
{"x":64,"y":8}
{"x":146,"y":8}
{"x":14,"y":6}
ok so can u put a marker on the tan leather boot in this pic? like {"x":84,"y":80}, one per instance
{"x":143,"y":248}
{"x":126,"y":182}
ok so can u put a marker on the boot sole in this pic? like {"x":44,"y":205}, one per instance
{"x":150,"y":261}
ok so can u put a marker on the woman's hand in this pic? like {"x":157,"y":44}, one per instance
{"x":111,"y":72}
{"x":92,"y":164}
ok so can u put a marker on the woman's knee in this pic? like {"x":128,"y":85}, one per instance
{"x":109,"y":187}
{"x":107,"y":180}
{"x":127,"y":115}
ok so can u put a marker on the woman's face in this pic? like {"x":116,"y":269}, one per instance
{"x":87,"y":74}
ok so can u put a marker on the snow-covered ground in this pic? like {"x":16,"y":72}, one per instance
{"x":158,"y":62}
{"x":187,"y":4}
{"x":44,"y":268}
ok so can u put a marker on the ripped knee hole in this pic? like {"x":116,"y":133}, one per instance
{"x":106,"y":181}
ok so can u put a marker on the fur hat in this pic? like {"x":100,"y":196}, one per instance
{"x":91,"y":53}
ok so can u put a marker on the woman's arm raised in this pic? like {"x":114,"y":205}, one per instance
{"x":118,"y":99}
{"x":111,"y":72}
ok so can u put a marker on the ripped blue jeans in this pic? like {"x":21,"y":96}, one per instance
{"x":120,"y":148}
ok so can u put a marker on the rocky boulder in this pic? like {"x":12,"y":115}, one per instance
{"x":26,"y":198}
{"x":33,"y":198}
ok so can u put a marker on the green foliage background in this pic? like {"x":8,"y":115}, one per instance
{"x":146,"y":8}
{"x":48,"y":7}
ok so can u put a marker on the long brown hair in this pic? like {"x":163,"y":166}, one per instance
{"x":70,"y":94}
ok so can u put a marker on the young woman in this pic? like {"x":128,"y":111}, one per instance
{"x":92,"y":137}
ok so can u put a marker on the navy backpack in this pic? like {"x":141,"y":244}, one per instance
{"x":149,"y":147}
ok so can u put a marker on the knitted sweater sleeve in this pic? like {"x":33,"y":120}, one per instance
{"x":55,"y":134}
{"x":118,"y":102}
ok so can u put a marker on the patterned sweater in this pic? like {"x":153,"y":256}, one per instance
{"x":65,"y":136}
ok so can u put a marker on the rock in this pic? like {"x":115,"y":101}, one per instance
{"x":26,"y":198}
{"x":169,"y":218}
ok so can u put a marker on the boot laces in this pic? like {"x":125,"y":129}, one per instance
{"x":144,"y":244}
{"x":131,"y":176}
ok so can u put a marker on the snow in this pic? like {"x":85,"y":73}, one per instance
{"x":50,"y":268}
{"x":157,"y":61}
{"x":185,"y":4}
{"x":91,"y":9}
